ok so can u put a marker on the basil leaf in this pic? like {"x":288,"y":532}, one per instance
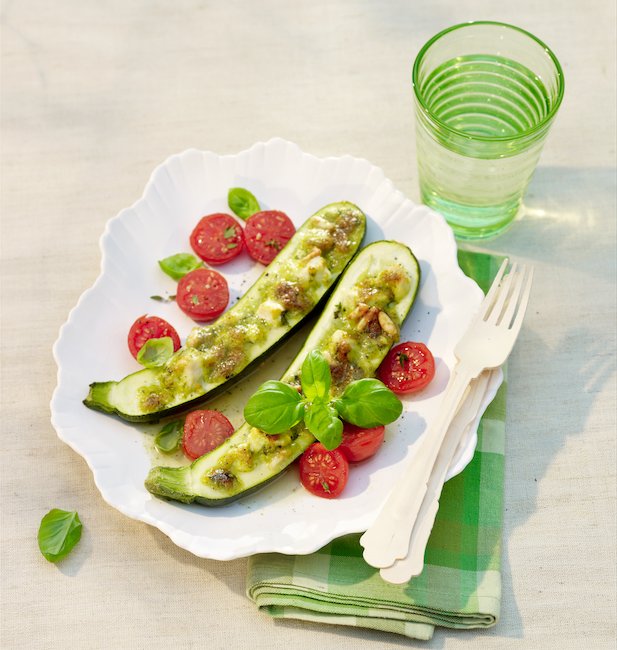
{"x":368,"y":403}
{"x":316,"y":376}
{"x":169,"y":437}
{"x":59,"y":532}
{"x":242,"y":203}
{"x":274,"y":408}
{"x":155,"y":352}
{"x":321,"y":420}
{"x":177,"y":266}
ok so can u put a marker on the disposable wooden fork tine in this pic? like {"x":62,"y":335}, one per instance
{"x":522,"y":304}
{"x":485,"y":344}
{"x":494,"y":315}
{"x":489,"y":299}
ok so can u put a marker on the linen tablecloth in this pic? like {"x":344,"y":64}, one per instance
{"x":95,"y":95}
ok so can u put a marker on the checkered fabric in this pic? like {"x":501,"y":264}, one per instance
{"x":460,"y":586}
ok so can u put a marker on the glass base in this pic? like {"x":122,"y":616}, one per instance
{"x":474,"y":223}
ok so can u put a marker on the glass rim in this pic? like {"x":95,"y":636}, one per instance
{"x":482,"y":138}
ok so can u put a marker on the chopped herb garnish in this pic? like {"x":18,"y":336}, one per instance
{"x":229,"y":246}
{"x":325,"y":486}
{"x":230,"y":231}
{"x":161,"y":299}
{"x":402,"y":359}
{"x":274,"y":243}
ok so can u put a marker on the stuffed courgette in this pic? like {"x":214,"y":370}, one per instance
{"x":215,"y":356}
{"x":359,"y":324}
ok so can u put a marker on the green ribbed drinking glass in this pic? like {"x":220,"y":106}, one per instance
{"x":486,"y":95}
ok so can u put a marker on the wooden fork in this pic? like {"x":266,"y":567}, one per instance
{"x":487,"y":343}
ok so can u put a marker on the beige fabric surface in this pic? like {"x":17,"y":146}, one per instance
{"x":95,"y":95}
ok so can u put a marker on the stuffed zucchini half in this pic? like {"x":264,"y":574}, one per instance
{"x":359,"y":324}
{"x":215,"y":356}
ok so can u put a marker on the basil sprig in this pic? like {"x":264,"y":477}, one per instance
{"x":177,"y":266}
{"x":59,"y":532}
{"x":242,"y":203}
{"x":155,"y":352}
{"x":277,"y":406}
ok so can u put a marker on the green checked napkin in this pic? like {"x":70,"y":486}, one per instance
{"x":460,"y":586}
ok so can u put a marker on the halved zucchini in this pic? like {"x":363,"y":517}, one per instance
{"x":216,"y":356}
{"x":355,"y":331}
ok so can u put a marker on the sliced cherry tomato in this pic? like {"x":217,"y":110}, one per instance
{"x":407,"y":368}
{"x":266,"y":233}
{"x":150,"y":327}
{"x":203,"y":294}
{"x":359,"y":444}
{"x":217,"y":238}
{"x":324,"y":473}
{"x":205,"y":431}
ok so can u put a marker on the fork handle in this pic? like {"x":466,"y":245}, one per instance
{"x":422,"y":465}
{"x":404,"y":569}
{"x":387,"y":540}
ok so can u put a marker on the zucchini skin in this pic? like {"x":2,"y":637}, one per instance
{"x":184,"y":483}
{"x":101,"y":394}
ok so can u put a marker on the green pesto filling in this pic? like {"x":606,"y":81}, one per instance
{"x":354,"y":347}
{"x":354,"y":350}
{"x":254,"y":452}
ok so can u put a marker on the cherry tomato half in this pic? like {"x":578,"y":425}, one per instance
{"x":359,"y":444}
{"x":217,"y":238}
{"x":266,"y":233}
{"x":324,"y":473}
{"x":203,"y":294}
{"x":407,"y":368}
{"x":205,"y":431}
{"x":150,"y":327}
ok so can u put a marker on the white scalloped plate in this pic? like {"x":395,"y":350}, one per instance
{"x":283,"y":517}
